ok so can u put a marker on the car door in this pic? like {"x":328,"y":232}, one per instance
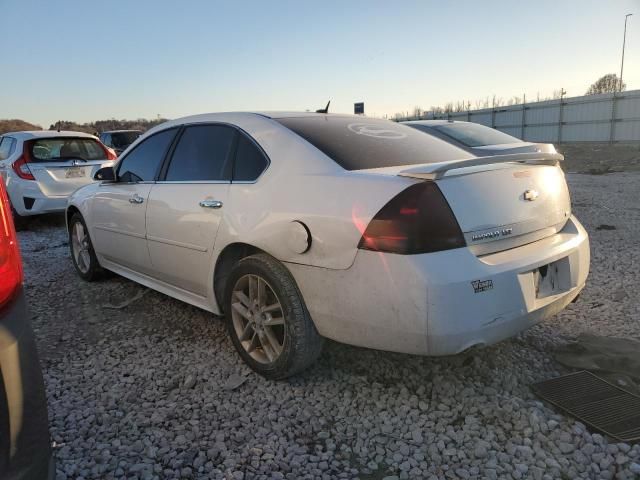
{"x":186,"y":206}
{"x":118,"y":208}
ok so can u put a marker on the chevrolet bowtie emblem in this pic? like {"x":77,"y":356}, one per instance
{"x":531,"y":195}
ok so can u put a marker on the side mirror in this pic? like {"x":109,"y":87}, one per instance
{"x":105,"y":174}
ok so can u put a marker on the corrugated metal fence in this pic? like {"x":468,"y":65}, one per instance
{"x":592,"y":118}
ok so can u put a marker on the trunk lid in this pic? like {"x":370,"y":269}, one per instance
{"x":64,"y":177}
{"x":507,"y":207}
{"x":500,"y":204}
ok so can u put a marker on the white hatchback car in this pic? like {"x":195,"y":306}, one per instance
{"x":299,"y":226}
{"x":42,"y":168}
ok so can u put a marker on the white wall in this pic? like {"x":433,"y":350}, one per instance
{"x":591,"y":118}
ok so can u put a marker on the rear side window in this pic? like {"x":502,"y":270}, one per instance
{"x":250,"y":161}
{"x":472,"y":134}
{"x":203,"y":153}
{"x":142,"y":163}
{"x":61,"y":149}
{"x":356,"y":143}
{"x":106,"y":139}
{"x":7,"y":147}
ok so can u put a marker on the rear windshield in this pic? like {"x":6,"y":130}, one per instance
{"x":124,"y":139}
{"x":357,"y":144}
{"x":66,"y":148}
{"x":471,"y":134}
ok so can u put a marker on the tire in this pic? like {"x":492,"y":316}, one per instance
{"x":19,"y":222}
{"x":86,"y":265}
{"x":298,"y":340}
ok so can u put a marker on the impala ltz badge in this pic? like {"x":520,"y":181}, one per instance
{"x":531,"y":195}
{"x":476,"y":237}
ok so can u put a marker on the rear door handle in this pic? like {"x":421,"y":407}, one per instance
{"x":136,"y":199}
{"x":211,"y":204}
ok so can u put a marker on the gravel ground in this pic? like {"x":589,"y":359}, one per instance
{"x":155,"y":389}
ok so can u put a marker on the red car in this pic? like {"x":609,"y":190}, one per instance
{"x":25,"y":447}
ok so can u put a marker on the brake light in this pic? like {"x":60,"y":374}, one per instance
{"x":10,"y":263}
{"x":111,"y":154}
{"x":21,"y":165}
{"x":417,"y":220}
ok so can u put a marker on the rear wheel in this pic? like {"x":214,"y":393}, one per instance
{"x":82,"y":253}
{"x":267,"y":319}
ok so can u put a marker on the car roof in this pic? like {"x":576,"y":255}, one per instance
{"x":221,"y":116}
{"x":429,"y":123}
{"x":121,"y":131}
{"x":235,"y":116}
{"x":29,"y":135}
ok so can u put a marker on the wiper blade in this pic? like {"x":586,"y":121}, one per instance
{"x":68,"y":157}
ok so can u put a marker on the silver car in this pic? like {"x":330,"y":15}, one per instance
{"x":478,"y":139}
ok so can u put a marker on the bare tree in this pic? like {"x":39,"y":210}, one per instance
{"x":417,"y":112}
{"x":609,"y":83}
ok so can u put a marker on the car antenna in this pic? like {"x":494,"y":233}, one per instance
{"x":325,"y":109}
{"x":58,"y":126}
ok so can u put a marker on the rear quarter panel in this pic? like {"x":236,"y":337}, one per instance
{"x":303,"y":184}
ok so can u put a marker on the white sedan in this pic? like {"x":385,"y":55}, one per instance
{"x":299,"y":226}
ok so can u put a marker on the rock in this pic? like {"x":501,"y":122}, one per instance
{"x":234,"y":381}
{"x":480,"y":451}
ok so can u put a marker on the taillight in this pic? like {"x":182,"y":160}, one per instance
{"x":111,"y":154}
{"x":10,"y":264}
{"x":21,"y":165}
{"x":417,"y":220}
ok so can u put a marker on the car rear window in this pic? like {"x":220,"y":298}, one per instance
{"x":357,"y":144}
{"x":66,"y":148}
{"x":124,"y":139}
{"x":472,"y":134}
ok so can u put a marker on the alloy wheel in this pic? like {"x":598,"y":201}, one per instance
{"x":258,"y":318}
{"x":80,"y":246}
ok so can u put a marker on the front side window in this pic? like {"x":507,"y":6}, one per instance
{"x":61,"y":149}
{"x":202,"y":154}
{"x":106,"y":139}
{"x":143,"y":162}
{"x":7,"y":147}
{"x":250,"y":161}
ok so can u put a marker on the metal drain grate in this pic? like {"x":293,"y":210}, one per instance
{"x":596,"y":402}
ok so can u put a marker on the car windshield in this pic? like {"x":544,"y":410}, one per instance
{"x":357,"y":144}
{"x":66,"y":148}
{"x":471,"y":134}
{"x":124,"y":139}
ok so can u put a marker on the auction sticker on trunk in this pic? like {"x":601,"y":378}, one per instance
{"x":480,"y":286}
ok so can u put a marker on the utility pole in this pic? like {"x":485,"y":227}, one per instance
{"x":563,"y":92}
{"x":624,"y":40}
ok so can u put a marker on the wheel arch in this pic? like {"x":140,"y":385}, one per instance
{"x":228,"y":257}
{"x":70,"y":212}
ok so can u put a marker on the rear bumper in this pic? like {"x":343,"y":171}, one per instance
{"x":19,"y":189}
{"x":427,"y":304}
{"x":25,"y":451}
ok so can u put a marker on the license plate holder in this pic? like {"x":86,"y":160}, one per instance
{"x":547,"y":279}
{"x":74,"y":172}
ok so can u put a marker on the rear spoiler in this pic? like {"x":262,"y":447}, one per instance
{"x":434,"y":171}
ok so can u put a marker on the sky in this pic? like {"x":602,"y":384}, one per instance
{"x":84,"y":60}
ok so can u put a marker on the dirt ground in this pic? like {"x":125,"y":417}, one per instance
{"x":598,"y":158}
